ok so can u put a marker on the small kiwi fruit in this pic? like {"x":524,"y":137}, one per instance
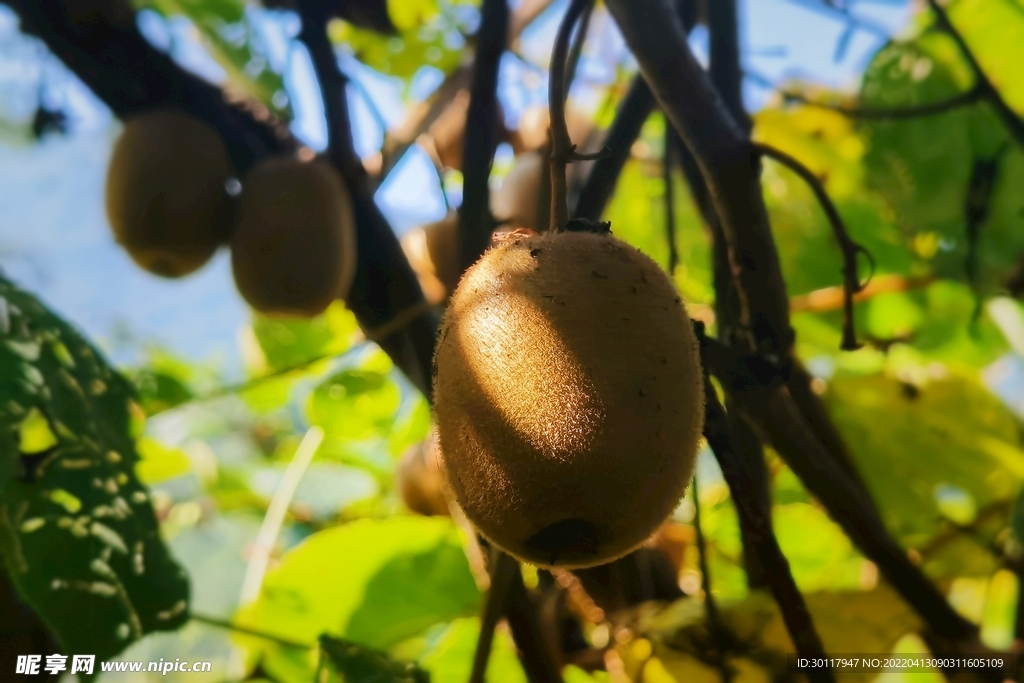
{"x":449,"y":130}
{"x":293,"y":251}
{"x":433,"y":253}
{"x":420,"y":480}
{"x":569,"y":397}
{"x":165,"y":195}
{"x":532,"y":133}
{"x":523,"y":197}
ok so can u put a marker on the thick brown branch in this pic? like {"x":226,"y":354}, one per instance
{"x":850,"y":249}
{"x":398,"y":141}
{"x":385,"y":286}
{"x":724,"y":65}
{"x":772,"y":408}
{"x":727,"y":162}
{"x":632,"y":113}
{"x":534,"y":654}
{"x":755,"y":520}
{"x":481,"y":134}
{"x":503,"y":570}
{"x":1008,"y":116}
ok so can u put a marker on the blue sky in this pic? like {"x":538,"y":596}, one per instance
{"x":54,"y":237}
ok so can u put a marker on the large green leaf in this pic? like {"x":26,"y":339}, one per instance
{"x":911,"y":441}
{"x":429,"y":34}
{"x":373,"y":582}
{"x":77,"y":530}
{"x":358,"y":408}
{"x":451,"y":658}
{"x":923,"y":166}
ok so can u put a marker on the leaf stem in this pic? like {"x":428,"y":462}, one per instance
{"x":225,"y":624}
{"x":850,"y":249}
{"x":562,"y":149}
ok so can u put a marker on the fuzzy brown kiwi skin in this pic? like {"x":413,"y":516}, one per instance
{"x":420,"y":480}
{"x":293,"y":251}
{"x":165,"y":196}
{"x":569,"y":398}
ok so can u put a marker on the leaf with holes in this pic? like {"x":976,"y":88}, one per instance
{"x":78,"y":534}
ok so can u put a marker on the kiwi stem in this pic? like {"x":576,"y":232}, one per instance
{"x":710,"y":606}
{"x":561,"y":145}
{"x":667,"y":164}
{"x":851,"y":281}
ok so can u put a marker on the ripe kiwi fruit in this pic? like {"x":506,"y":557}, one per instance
{"x":165,"y":195}
{"x":535,"y":120}
{"x":420,"y":480}
{"x":569,"y":397}
{"x":433,"y":253}
{"x":449,"y":130}
{"x":523,"y":199}
{"x":293,"y":251}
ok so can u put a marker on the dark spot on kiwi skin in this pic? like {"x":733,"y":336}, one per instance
{"x":598,"y":275}
{"x":570,"y":540}
{"x":534,"y":252}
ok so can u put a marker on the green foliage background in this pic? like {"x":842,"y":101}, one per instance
{"x":393,"y":593}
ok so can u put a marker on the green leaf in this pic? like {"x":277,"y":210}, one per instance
{"x":160,"y":391}
{"x":451,"y":659}
{"x":288,"y":343}
{"x":373,"y":582}
{"x":429,"y":34}
{"x":908,"y":441}
{"x":358,"y":664}
{"x":922,"y":166}
{"x":821,"y":557}
{"x":1017,"y":516}
{"x":357,"y":408}
{"x":78,"y":534}
{"x":158,"y":463}
{"x":830,"y":146}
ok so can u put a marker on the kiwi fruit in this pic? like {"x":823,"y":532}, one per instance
{"x":165,"y":195}
{"x":569,"y":397}
{"x":532,"y":133}
{"x":523,"y":198}
{"x":293,"y":251}
{"x":433,"y":253}
{"x":449,"y":130}
{"x":420,"y":480}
